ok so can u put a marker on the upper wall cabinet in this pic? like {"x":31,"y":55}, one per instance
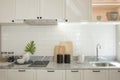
{"x":71,"y":10}
{"x":36,"y":9}
{"x":52,"y":9}
{"x":78,"y":10}
{"x":26,"y":9}
{"x":7,"y":10}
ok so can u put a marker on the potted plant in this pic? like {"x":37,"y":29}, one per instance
{"x":29,"y":49}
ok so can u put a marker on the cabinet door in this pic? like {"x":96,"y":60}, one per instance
{"x":3,"y":74}
{"x":7,"y":10}
{"x":74,"y":75}
{"x":78,"y":10}
{"x":95,"y":75}
{"x":50,"y":75}
{"x":52,"y":9}
{"x":114,"y":75}
{"x":26,"y":9}
{"x":21,"y":74}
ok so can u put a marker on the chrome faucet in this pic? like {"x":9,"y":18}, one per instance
{"x":98,"y":46}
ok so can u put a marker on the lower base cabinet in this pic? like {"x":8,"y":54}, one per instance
{"x":74,"y":75}
{"x":95,"y":74}
{"x":3,"y":74}
{"x":21,"y":74}
{"x":28,"y":74}
{"x":114,"y":75}
{"x":50,"y":75}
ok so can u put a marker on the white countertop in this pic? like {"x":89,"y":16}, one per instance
{"x":56,"y":66}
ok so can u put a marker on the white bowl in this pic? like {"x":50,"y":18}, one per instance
{"x":20,"y":61}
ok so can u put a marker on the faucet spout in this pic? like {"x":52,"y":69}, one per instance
{"x":98,"y":46}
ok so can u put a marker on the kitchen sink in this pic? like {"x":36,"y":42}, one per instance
{"x":39,"y":64}
{"x":103,"y":64}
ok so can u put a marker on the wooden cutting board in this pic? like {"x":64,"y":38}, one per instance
{"x":65,"y":47}
{"x":58,"y":50}
{"x":68,"y":47}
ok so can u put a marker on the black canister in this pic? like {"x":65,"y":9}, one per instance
{"x":59,"y":58}
{"x":67,"y":58}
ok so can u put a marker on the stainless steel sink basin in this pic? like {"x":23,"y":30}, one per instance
{"x":103,"y":64}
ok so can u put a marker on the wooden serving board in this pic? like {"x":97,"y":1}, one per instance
{"x":68,"y":47}
{"x":65,"y":47}
{"x":58,"y":50}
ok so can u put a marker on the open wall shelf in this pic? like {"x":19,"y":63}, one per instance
{"x":101,"y":7}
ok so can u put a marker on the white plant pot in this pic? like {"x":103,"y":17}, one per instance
{"x":26,"y":56}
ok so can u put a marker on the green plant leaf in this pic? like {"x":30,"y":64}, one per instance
{"x":30,"y":47}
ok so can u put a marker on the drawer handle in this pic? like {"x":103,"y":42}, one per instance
{"x":40,"y":17}
{"x":50,"y":71}
{"x":37,"y":17}
{"x":96,"y":71}
{"x":74,"y":71}
{"x":21,"y":70}
{"x":13,"y":21}
{"x":118,"y":71}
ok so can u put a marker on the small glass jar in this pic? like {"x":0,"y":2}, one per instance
{"x":4,"y":54}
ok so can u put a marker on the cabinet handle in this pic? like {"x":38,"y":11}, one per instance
{"x":118,"y":71}
{"x":21,"y":70}
{"x":37,"y":17}
{"x":13,"y":21}
{"x":50,"y":71}
{"x":66,"y":20}
{"x":96,"y":71}
{"x":40,"y":17}
{"x":74,"y":71}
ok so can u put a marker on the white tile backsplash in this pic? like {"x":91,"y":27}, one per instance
{"x":84,"y":38}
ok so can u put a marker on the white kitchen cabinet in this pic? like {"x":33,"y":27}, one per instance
{"x":52,"y":9}
{"x":74,"y":75}
{"x":78,"y":10}
{"x":7,"y":10}
{"x":3,"y":74}
{"x":26,"y":9}
{"x":72,"y":10}
{"x":21,"y":74}
{"x":50,"y":75}
{"x":34,"y":9}
{"x":114,"y":75}
{"x":95,"y":74}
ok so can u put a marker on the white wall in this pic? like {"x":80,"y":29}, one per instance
{"x":118,"y":42}
{"x":84,"y":38}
